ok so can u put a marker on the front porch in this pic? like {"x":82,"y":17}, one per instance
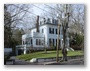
{"x":22,"y":49}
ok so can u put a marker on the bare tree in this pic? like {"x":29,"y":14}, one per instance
{"x":19,"y":14}
{"x":14,"y":16}
{"x":76,"y":14}
{"x":77,"y":17}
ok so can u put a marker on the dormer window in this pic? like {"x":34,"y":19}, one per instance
{"x":44,"y":20}
{"x":48,"y":20}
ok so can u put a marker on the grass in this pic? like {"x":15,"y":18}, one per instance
{"x":47,"y":55}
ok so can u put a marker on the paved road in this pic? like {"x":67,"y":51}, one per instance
{"x":76,"y":62}
{"x":69,"y":62}
{"x":19,"y":62}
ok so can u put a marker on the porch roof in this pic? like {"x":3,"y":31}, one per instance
{"x":26,"y":36}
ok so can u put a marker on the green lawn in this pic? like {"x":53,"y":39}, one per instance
{"x":47,"y":55}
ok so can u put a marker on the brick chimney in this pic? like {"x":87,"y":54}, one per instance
{"x":37,"y":24}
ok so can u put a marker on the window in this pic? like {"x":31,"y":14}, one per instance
{"x":51,"y":30}
{"x":36,"y":41}
{"x":48,"y":20}
{"x":50,"y":42}
{"x":53,"y":42}
{"x":42,"y":30}
{"x":39,"y":42}
{"x":31,"y":41}
{"x":56,"y":31}
{"x":44,"y":20}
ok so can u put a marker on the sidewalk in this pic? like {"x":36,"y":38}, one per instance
{"x":69,"y":62}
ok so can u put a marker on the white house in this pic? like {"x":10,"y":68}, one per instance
{"x":47,"y":36}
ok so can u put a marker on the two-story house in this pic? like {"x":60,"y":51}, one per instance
{"x":45,"y":37}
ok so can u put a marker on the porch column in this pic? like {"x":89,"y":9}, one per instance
{"x":25,"y":49}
